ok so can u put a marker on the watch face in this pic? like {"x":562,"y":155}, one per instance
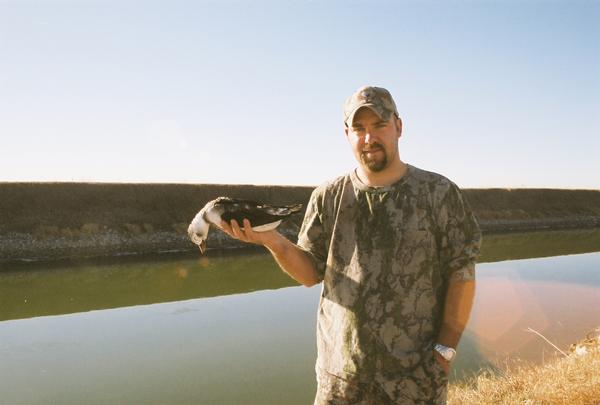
{"x":448,"y":354}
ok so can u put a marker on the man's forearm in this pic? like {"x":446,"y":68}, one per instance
{"x":457,"y":308}
{"x":293,"y":260}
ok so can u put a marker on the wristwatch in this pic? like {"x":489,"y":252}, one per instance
{"x":447,"y":353}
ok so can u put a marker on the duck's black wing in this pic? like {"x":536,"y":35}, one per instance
{"x":256,"y":212}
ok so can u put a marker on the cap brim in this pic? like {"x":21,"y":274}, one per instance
{"x":350,"y":119}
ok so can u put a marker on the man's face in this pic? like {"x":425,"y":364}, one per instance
{"x":373,"y":140}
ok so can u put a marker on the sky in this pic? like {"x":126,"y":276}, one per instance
{"x":491,"y":93}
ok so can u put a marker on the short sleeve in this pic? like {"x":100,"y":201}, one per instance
{"x":312,"y":238}
{"x":460,"y":237}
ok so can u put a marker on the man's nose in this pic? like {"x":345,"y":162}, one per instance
{"x":368,"y":137}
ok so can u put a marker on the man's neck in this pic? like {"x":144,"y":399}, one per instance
{"x":390,"y":175}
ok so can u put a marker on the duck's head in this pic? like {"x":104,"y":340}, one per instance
{"x":198,"y":230}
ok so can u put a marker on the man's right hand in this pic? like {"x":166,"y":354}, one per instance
{"x":248,"y":235}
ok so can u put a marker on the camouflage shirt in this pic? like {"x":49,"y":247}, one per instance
{"x":386,"y":255}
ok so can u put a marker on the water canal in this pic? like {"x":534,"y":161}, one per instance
{"x":233,"y":329}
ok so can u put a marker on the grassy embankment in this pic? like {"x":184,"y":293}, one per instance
{"x":49,"y":221}
{"x":77,"y":208}
{"x":573,"y":379}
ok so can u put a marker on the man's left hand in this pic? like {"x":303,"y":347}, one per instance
{"x":443,"y":362}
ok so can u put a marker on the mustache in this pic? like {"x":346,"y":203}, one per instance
{"x":373,"y":147}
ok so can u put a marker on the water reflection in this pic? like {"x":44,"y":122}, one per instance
{"x":557,"y":296}
{"x":226,"y":330}
{"x":38,"y":291}
{"x":34,"y":290}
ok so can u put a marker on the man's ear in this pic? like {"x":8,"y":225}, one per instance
{"x":346,"y":130}
{"x":399,"y":126}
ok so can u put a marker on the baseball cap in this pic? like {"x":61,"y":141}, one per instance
{"x":377,"y":99}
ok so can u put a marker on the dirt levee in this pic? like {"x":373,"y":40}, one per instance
{"x":46,"y":221}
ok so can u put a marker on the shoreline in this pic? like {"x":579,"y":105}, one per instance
{"x":46,"y":222}
{"x":61,"y":252}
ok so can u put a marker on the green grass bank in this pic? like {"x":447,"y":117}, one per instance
{"x":50,"y":221}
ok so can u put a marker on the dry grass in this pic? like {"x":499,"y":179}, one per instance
{"x":573,"y":380}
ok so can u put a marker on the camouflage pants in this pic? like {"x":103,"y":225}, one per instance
{"x":427,"y":385}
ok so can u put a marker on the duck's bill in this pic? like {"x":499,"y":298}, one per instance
{"x":202,"y":246}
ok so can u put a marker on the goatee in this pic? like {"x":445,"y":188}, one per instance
{"x":373,"y":163}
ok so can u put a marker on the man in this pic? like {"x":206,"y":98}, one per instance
{"x":395,"y":247}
